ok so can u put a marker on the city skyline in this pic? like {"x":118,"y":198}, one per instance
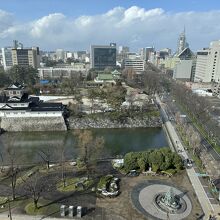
{"x":132,"y":23}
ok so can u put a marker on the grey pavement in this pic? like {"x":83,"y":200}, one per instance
{"x":28,"y":217}
{"x":147,"y":201}
{"x":205,"y":203}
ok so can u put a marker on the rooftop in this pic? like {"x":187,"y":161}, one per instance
{"x":105,"y":76}
{"x":15,"y":86}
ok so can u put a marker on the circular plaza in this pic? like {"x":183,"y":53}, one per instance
{"x":160,"y":201}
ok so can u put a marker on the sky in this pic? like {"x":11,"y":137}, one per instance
{"x":75,"y":25}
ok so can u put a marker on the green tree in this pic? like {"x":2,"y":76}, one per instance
{"x":4,"y":79}
{"x":23,"y":75}
{"x":142,"y":163}
{"x":50,"y":63}
{"x":70,"y":60}
{"x":91,"y":75}
{"x":156,"y":159}
{"x":177,"y":161}
{"x":117,"y":96}
{"x":131,"y":161}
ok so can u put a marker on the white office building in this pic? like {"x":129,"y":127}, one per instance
{"x":63,"y":71}
{"x":184,"y":69}
{"x":136,"y":64}
{"x":7,"y":57}
{"x":123,"y":49}
{"x":208,"y":64}
{"x":201,"y":66}
{"x":25,"y":57}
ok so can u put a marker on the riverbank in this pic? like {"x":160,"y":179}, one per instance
{"x":102,"y":122}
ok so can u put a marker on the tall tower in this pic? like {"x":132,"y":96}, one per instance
{"x":182,"y":44}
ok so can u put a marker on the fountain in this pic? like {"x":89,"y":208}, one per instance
{"x":169,"y":201}
{"x":158,"y":200}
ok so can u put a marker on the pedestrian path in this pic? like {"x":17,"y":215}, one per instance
{"x":5,"y":216}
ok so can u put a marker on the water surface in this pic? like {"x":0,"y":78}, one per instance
{"x":29,"y":145}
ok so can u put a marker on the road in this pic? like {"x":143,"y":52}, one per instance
{"x":194,"y":179}
{"x":174,"y":108}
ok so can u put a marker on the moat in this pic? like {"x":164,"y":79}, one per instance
{"x":117,"y":142}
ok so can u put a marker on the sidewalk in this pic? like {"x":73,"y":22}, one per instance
{"x":28,"y":217}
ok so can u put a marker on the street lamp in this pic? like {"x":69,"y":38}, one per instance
{"x":9,"y":208}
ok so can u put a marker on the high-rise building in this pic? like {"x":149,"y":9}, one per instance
{"x":181,"y":66}
{"x":17,"y":44}
{"x":69,"y":55}
{"x":123,"y":49}
{"x":122,"y":53}
{"x":146,"y":52}
{"x":60,"y":54}
{"x":7,"y":57}
{"x":103,"y":56}
{"x":216,"y":89}
{"x":26,"y":57}
{"x":184,"y":70}
{"x":182,"y":43}
{"x":208,"y":63}
{"x":80,"y":55}
{"x":1,"y":59}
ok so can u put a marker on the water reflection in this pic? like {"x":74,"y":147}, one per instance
{"x":117,"y":141}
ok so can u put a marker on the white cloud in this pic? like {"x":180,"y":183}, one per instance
{"x":48,"y":25}
{"x":135,"y":27}
{"x":6,"y":20}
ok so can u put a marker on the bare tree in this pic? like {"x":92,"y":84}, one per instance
{"x":62,"y":161}
{"x":13,"y":169}
{"x":91,"y":148}
{"x":34,"y":188}
{"x":69,"y":86}
{"x":45,"y":155}
{"x":129,"y":75}
{"x":189,"y":131}
{"x":11,"y":156}
{"x":92,"y":95}
{"x":195,"y":141}
{"x":152,"y":82}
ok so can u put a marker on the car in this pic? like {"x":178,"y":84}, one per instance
{"x":188,"y":163}
{"x":133,"y":173}
{"x":171,"y":118}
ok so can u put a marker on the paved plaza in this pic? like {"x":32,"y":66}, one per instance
{"x":144,"y":194}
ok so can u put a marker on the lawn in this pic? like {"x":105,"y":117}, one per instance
{"x":45,"y":208}
{"x":71,"y":184}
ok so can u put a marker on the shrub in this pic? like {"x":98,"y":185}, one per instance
{"x":104,"y":181}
